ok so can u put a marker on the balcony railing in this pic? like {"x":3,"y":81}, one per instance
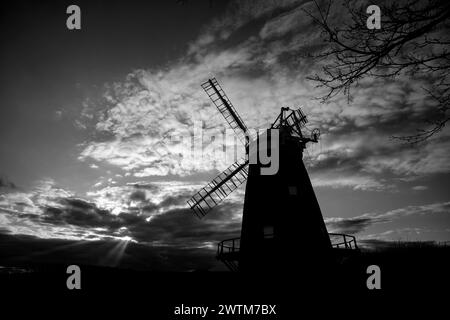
{"x":343,"y":241}
{"x":228,"y":246}
{"x":338,"y":241}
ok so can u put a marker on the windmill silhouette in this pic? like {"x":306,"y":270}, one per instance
{"x":281,"y":216}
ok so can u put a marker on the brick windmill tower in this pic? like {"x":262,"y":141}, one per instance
{"x":282,"y":224}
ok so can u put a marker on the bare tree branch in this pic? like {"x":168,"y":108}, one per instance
{"x":413,"y":40}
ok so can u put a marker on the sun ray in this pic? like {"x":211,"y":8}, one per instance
{"x":115,"y":254}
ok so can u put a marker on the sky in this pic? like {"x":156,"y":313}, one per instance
{"x":97,"y":127}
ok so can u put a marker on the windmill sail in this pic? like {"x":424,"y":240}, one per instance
{"x":225,"y":107}
{"x":219,"y":188}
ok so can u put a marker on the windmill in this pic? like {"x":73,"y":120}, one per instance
{"x":281,"y":214}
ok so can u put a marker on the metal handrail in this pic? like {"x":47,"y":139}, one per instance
{"x":348,"y":241}
{"x":229,"y":246}
{"x":233,"y":245}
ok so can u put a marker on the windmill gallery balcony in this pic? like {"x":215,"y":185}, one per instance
{"x":228,"y":250}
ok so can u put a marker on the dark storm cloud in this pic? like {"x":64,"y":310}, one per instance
{"x":355,"y":225}
{"x":80,"y":213}
{"x":138,"y":196}
{"x":177,"y":227}
{"x":34,"y":251}
{"x":150,"y":208}
{"x":154,"y":214}
{"x":350,"y":225}
{"x":19,"y":214}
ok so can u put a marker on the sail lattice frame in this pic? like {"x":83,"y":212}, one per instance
{"x":219,"y":188}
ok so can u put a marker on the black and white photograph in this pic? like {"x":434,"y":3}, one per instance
{"x":223,"y":159}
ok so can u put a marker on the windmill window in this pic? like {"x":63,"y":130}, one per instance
{"x":292,"y":190}
{"x":268,"y":232}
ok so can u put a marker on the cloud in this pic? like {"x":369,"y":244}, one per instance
{"x":431,"y":158}
{"x":6,"y":184}
{"x":435,"y":208}
{"x":156,"y":214}
{"x":78,"y":212}
{"x":138,"y":196}
{"x":145,"y":124}
{"x":439,"y":211}
{"x":58,"y":114}
{"x":290,"y":21}
{"x":419,"y":188}
{"x":344,"y":179}
{"x":152,"y":213}
{"x":237,"y":15}
{"x":350,"y":225}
